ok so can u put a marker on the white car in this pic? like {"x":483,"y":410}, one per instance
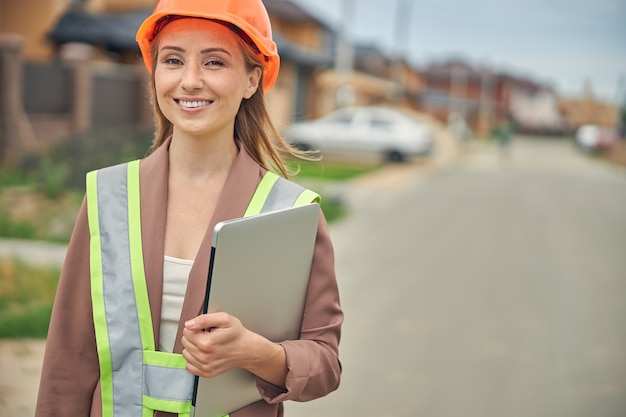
{"x":392,"y":134}
{"x":593,"y":138}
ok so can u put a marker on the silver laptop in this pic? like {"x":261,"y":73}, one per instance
{"x":259,"y":273}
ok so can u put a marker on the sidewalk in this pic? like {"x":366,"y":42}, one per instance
{"x":20,"y":360}
{"x":33,"y":252}
{"x":20,"y":367}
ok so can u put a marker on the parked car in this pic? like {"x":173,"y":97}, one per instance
{"x":593,"y":138}
{"x":370,"y":130}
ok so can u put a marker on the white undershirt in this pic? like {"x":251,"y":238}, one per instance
{"x":175,"y":277}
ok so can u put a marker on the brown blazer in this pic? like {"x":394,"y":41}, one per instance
{"x":69,"y":384}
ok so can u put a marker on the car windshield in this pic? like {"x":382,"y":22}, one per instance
{"x":341,"y":117}
{"x":380,"y":122}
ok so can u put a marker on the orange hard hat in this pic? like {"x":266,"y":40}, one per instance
{"x":248,"y":16}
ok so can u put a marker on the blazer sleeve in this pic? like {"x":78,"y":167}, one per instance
{"x":70,"y":370}
{"x":313,"y":364}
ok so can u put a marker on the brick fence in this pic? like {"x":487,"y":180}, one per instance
{"x":42,"y":103}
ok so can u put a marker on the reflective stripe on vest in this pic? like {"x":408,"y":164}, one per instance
{"x":136,"y":379}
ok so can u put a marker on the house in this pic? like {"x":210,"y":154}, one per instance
{"x":328,"y":73}
{"x":60,"y":87}
{"x":483,"y":98}
{"x":589,"y":110}
{"x":306,"y":46}
{"x":35,"y":19}
{"x":534,"y":108}
{"x":455,"y":89}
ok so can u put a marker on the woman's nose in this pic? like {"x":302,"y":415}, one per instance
{"x":192,"y":78}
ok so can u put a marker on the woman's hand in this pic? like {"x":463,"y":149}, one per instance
{"x":217,"y":342}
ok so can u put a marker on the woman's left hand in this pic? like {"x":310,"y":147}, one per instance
{"x":215,"y":343}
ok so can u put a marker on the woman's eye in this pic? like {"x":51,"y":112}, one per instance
{"x":214,"y":62}
{"x":170,"y":60}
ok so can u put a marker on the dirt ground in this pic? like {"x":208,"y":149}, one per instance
{"x":20,"y":368}
{"x":617,"y":155}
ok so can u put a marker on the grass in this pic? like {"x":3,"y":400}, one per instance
{"x":13,"y":178}
{"x":26,"y":297}
{"x":330,"y":170}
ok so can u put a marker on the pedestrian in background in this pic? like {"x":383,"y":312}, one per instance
{"x":503,"y":135}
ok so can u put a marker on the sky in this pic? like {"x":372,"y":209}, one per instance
{"x":565,"y":44}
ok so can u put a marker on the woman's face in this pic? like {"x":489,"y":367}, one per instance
{"x":201,"y":77}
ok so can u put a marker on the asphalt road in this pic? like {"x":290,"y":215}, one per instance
{"x":489,"y":288}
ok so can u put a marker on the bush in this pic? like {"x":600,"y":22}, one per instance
{"x":30,"y":324}
{"x":333,"y":209}
{"x":26,"y":297}
{"x":66,"y":164}
{"x":18,"y":229}
{"x":54,"y":177}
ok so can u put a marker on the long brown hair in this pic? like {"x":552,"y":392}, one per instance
{"x":253,"y":126}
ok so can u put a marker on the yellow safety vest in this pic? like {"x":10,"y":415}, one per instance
{"x":135,"y":378}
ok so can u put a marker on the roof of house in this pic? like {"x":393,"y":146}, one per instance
{"x":286,"y":9}
{"x":291,"y":10}
{"x":114,"y":32}
{"x":303,"y":56}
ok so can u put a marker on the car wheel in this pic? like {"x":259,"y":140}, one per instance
{"x":395,"y":156}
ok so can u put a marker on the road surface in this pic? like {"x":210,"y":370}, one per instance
{"x":490,"y":288}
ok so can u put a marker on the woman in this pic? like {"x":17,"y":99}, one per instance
{"x":210,"y":63}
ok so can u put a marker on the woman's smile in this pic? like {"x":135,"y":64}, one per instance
{"x":193,"y":104}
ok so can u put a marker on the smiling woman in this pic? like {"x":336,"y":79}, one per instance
{"x":136,"y":268}
{"x":201,"y":78}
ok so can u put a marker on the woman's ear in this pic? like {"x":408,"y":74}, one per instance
{"x":254,"y":78}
